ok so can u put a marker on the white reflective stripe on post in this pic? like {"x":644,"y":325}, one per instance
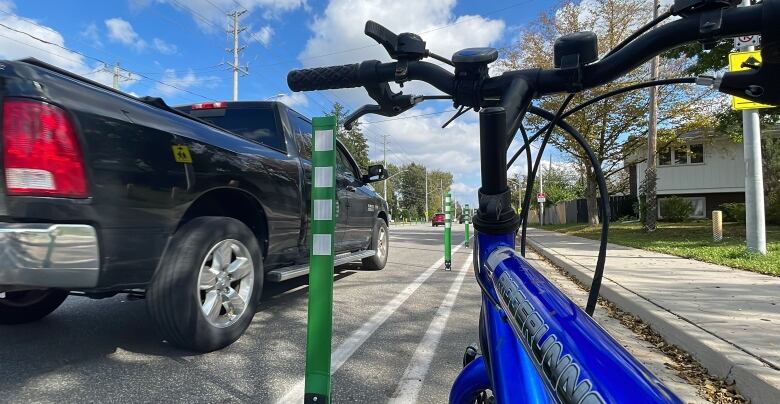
{"x":323,"y":140}
{"x":323,"y":209}
{"x":447,"y":225}
{"x":323,"y":177}
{"x":321,"y":244}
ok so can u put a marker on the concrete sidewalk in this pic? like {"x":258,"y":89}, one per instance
{"x":728,"y":319}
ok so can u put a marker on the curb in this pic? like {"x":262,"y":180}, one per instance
{"x":719,"y":357}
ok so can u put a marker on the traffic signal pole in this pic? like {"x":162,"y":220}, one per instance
{"x":755,"y":228}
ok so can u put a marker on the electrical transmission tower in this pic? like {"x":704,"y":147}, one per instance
{"x":120,"y":75}
{"x":234,"y":30}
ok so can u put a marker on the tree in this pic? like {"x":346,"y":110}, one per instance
{"x":439,"y":183}
{"x":607,"y":125}
{"x":412,"y":188}
{"x":353,"y":139}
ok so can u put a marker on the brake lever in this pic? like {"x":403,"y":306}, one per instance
{"x":389,"y":103}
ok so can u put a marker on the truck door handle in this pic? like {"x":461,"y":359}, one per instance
{"x":350,"y":188}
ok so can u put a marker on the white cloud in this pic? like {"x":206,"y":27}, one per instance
{"x":293,"y":99}
{"x":173,"y":84}
{"x":137,"y":5}
{"x":91,"y":34}
{"x":164,"y":47}
{"x":263,"y":35}
{"x":122,"y":31}
{"x":16,"y":45}
{"x":7,"y":6}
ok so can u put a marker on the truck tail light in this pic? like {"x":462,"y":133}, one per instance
{"x":209,"y":105}
{"x":41,"y":154}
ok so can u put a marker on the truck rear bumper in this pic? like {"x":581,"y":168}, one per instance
{"x":49,"y":255}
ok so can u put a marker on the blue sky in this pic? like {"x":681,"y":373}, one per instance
{"x":176,"y":49}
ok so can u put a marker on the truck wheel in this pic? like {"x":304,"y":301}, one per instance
{"x":380,"y":242}
{"x":26,"y":306}
{"x":206,"y":290}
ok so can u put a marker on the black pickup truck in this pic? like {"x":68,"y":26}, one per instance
{"x":191,"y":207}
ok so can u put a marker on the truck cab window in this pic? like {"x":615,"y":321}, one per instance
{"x":251,"y":123}
{"x":344,"y":166}
{"x":301,"y":128}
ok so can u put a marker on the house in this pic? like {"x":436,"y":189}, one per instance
{"x":706,"y":169}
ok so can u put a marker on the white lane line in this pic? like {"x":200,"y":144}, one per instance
{"x":412,"y":380}
{"x":356,"y":340}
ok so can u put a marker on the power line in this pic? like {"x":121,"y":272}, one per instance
{"x":89,"y":57}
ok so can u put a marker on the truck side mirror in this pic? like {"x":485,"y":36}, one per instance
{"x":375,"y":173}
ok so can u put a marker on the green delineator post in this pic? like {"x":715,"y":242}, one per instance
{"x":466,"y":219}
{"x":447,"y":232}
{"x":319,"y":330}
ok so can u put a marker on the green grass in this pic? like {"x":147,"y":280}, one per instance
{"x":690,"y":240}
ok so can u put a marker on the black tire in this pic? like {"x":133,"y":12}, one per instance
{"x":174,"y":296}
{"x":380,"y":239}
{"x":27,"y":306}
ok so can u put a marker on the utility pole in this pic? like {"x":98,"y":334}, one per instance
{"x":118,"y":74}
{"x":235,"y":29}
{"x":755,"y":228}
{"x":651,"y":177}
{"x":441,"y":187}
{"x":384,"y":161}
{"x":427,"y":217}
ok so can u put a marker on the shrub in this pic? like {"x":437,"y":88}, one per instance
{"x":733,"y":212}
{"x":675,"y":209}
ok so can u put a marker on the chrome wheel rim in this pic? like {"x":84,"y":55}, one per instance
{"x":225,"y":283}
{"x":381,"y":245}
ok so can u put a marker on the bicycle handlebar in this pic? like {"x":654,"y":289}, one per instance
{"x":366,"y":73}
{"x":732,"y":22}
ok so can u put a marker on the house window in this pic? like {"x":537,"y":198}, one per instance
{"x":682,"y":155}
{"x":665,"y":157}
{"x":699,"y":204}
{"x":697,"y":154}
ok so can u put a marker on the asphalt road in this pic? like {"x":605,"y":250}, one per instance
{"x":399,"y":337}
{"x":108,"y":351}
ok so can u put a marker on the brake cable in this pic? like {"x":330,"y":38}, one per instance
{"x":532,"y":174}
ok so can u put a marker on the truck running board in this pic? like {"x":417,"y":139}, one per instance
{"x":283,"y":274}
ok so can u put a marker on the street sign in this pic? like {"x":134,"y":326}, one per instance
{"x":747,"y":40}
{"x":742,"y":61}
{"x":540,"y":197}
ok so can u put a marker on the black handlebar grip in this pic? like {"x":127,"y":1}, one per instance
{"x":324,"y":78}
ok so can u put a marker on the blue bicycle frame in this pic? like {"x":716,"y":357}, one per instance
{"x":540,"y":346}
